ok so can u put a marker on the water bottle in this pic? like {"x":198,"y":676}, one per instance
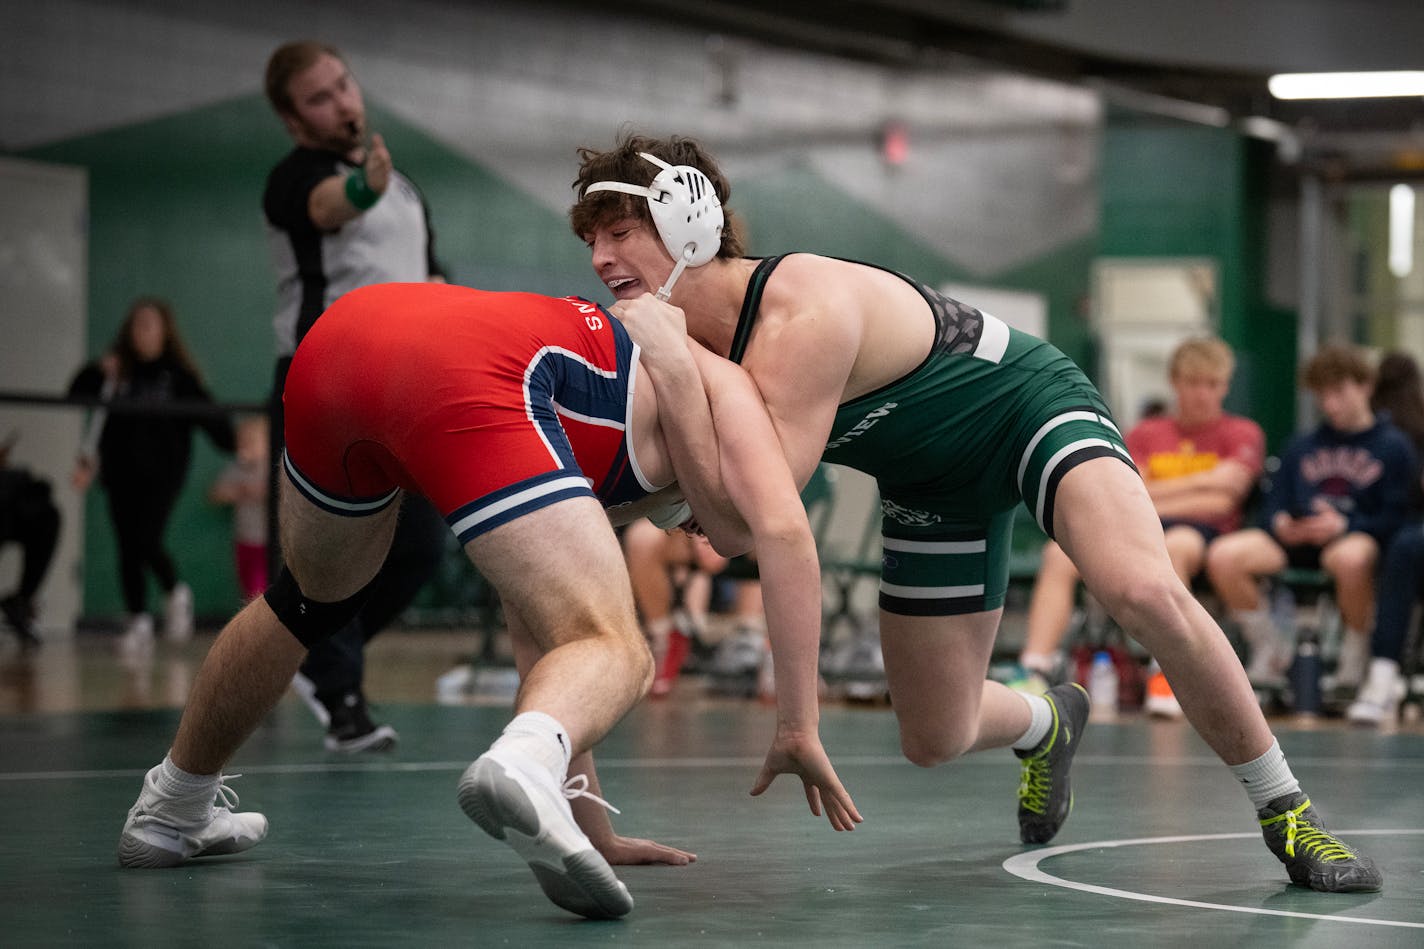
{"x":1102,"y":684}
{"x":1305,"y":675}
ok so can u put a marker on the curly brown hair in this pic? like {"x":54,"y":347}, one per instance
{"x":623,"y":163}
{"x":1337,"y":363}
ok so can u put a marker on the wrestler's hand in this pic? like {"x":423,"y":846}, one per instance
{"x":659,"y":328}
{"x":801,"y":754}
{"x":631,"y":851}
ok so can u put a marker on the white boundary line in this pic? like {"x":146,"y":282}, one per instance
{"x":1025,"y":866}
{"x":878,"y":761}
{"x":339,"y":767}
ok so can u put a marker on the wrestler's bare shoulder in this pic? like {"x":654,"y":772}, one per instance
{"x":872,"y":320}
{"x":810,"y":282}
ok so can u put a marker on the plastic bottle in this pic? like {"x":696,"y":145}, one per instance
{"x":1102,"y":684}
{"x":1305,"y":675}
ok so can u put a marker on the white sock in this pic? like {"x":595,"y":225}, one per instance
{"x":1383,"y":670}
{"x":1040,"y":720}
{"x":188,"y":797}
{"x":1267,"y":777}
{"x":540,"y":737}
{"x":658,"y":632}
{"x":1041,"y":662}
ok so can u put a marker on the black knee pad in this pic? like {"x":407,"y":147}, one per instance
{"x":309,"y":621}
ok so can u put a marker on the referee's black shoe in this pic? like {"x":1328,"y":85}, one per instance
{"x":351,"y":729}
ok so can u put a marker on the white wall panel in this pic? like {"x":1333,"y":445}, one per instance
{"x":1001,"y":168}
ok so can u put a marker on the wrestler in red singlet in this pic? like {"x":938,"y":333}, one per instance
{"x":489,"y":404}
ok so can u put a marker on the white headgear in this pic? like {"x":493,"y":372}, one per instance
{"x":684,"y":207}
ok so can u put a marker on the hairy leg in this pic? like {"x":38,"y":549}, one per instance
{"x":254,"y":657}
{"x":1107,"y":524}
{"x":561,"y":577}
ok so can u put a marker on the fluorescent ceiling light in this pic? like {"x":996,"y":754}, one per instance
{"x":1346,"y":85}
{"x":1401,"y":230}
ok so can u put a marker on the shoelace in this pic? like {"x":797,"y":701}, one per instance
{"x":225,"y":793}
{"x":1034,"y":784}
{"x":1312,"y":839}
{"x":574,"y":787}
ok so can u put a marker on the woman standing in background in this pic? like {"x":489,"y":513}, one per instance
{"x":1400,"y":584}
{"x":142,"y":459}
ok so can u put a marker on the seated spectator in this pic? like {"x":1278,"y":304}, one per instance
{"x":672,"y":574}
{"x":1401,"y":582}
{"x":28,"y":517}
{"x":1199,"y":464}
{"x":1339,"y":496}
{"x":657,"y":560}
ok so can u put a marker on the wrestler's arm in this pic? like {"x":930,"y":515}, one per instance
{"x":669,"y":360}
{"x":758,"y":482}
{"x":618,"y":850}
{"x":800,"y":368}
{"x":630,"y":512}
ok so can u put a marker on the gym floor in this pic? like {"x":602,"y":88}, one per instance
{"x":1162,"y":848}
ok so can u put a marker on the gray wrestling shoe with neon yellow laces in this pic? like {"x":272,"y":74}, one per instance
{"x":1313,"y":856}
{"x":515,"y":799}
{"x":163,"y":831}
{"x":1045,"y":794}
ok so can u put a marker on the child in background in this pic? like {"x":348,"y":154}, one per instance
{"x":243,"y":485}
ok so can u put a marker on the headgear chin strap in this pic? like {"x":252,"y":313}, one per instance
{"x":686,"y":211}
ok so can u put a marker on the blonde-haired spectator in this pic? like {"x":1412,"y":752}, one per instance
{"x":1199,"y":464}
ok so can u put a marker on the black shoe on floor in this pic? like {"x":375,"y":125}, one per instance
{"x":1313,"y":856}
{"x":351,"y":729}
{"x":19,"y":614}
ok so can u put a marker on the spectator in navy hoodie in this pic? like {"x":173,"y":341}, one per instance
{"x":1340,"y":494}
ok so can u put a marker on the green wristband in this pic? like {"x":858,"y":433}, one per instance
{"x":360,"y":194}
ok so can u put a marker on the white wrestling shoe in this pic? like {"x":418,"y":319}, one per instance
{"x":153,"y":837}
{"x":514,"y":798}
{"x":1378,"y":700}
{"x":178,"y":614}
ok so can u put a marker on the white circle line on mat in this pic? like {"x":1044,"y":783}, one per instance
{"x":1026,"y":866}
